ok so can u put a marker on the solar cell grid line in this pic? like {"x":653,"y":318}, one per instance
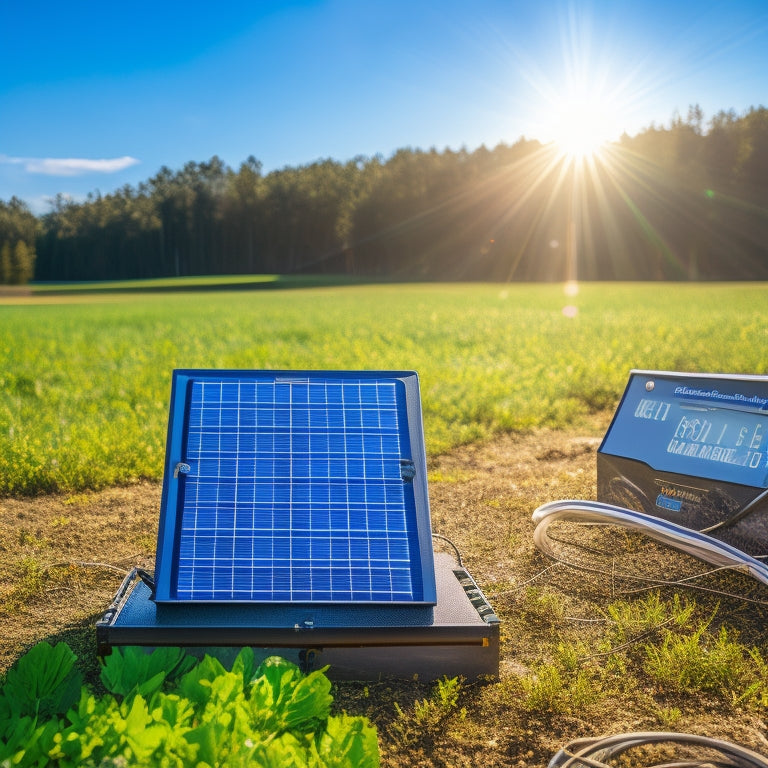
{"x":237,"y":475}
{"x":292,"y":492}
{"x":347,"y":571}
{"x":289,"y":415}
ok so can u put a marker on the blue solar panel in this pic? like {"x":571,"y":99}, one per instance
{"x":295,"y":487}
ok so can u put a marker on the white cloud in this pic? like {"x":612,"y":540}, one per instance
{"x":70,"y":166}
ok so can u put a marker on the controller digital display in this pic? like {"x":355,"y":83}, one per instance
{"x":713,"y":427}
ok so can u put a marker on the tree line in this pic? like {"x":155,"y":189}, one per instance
{"x":18,"y":232}
{"x":684,"y":201}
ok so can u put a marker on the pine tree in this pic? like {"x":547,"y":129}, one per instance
{"x":5,"y":263}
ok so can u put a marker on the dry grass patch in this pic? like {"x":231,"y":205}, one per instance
{"x":577,"y":655}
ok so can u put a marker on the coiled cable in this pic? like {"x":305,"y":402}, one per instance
{"x":594,"y":752}
{"x":694,"y":543}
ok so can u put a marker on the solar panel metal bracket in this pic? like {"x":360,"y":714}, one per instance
{"x":407,"y":470}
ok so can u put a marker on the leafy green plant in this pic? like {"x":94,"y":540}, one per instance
{"x":756,"y":692}
{"x":442,"y":703}
{"x":43,"y":683}
{"x":169,"y":709}
{"x":346,"y":741}
{"x":283,"y":699}
{"x":128,"y":670}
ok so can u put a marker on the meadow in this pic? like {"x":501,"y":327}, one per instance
{"x":85,"y":375}
{"x":519,"y":383}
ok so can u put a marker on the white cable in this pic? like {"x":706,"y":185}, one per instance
{"x":595,"y":751}
{"x":697,"y":544}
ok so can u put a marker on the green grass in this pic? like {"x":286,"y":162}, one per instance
{"x":85,"y":378}
{"x":663,"y":645}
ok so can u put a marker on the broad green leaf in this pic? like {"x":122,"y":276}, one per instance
{"x":245,"y":664}
{"x":132,"y":669}
{"x":195,"y":684}
{"x":42,"y":683}
{"x":348,"y":742}
{"x":310,"y":702}
{"x":14,"y":747}
{"x":211,"y":739}
{"x":282,"y":698}
{"x":140,"y":734}
{"x":284,"y":751}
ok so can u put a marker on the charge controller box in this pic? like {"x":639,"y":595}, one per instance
{"x":692,"y":449}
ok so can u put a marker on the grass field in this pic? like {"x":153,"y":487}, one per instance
{"x":85,"y":374}
{"x":516,"y":392}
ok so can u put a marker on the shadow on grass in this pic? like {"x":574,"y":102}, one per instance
{"x":201,"y":283}
{"x":81,"y":638}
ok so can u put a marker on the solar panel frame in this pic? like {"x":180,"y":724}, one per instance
{"x":386,"y":550}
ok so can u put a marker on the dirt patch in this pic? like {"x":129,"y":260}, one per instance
{"x":63,"y":557}
{"x":14,"y":291}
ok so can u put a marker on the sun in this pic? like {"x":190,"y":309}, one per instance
{"x":584,"y":103}
{"x":581,"y":126}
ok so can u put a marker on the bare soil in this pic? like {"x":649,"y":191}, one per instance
{"x":63,"y":557}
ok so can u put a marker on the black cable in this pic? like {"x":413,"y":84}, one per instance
{"x":116,"y":603}
{"x":455,"y":548}
{"x":652,"y":582}
{"x":593,"y":752}
{"x":147,"y":578}
{"x":742,"y":513}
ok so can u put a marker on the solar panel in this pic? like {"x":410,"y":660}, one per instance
{"x":295,"y":487}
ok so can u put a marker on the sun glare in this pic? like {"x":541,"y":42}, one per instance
{"x":583,"y":101}
{"x":581,"y":128}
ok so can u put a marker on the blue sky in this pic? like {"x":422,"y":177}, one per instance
{"x":96,"y":95}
